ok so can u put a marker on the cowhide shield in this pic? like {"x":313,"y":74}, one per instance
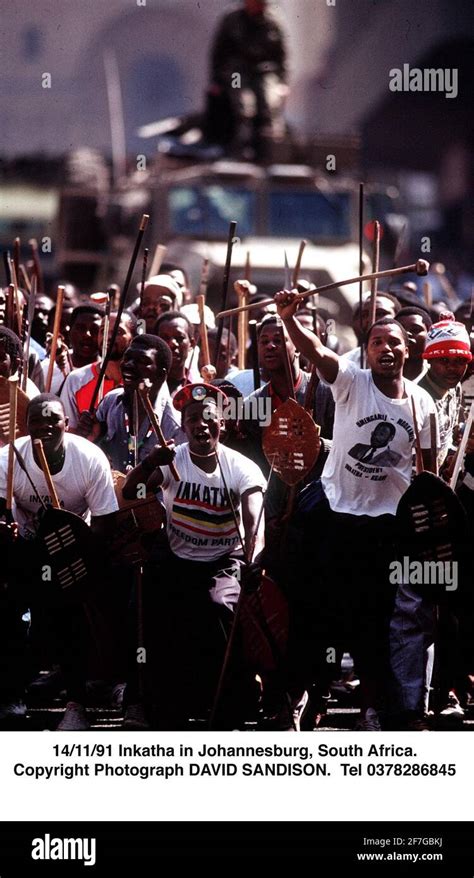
{"x":70,"y":550}
{"x":22,"y":405}
{"x":291,"y":442}
{"x":432,"y":527}
{"x":136,"y":523}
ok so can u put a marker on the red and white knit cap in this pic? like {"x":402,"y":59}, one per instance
{"x":448,"y":338}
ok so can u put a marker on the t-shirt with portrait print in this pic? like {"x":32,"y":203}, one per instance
{"x":369,"y":466}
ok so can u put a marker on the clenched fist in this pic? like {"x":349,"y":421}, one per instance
{"x":287,"y":302}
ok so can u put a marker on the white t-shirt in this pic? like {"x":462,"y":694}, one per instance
{"x":84,"y":485}
{"x":353,"y":356}
{"x":369,"y":466}
{"x":199,"y":518}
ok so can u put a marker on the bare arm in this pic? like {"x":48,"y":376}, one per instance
{"x":252,"y":501}
{"x":325,"y":360}
{"x":148,"y":472}
{"x":103,"y":525}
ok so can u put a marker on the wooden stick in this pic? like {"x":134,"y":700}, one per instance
{"x":24,"y":329}
{"x":31,"y":314}
{"x":25,"y":279}
{"x":227,"y":350}
{"x":37,"y":264}
{"x":143,"y":280}
{"x":375,"y":268}
{"x":16,"y":298}
{"x":203,"y":339}
{"x":16,"y":256}
{"x":10,"y":304}
{"x":143,"y":393}
{"x":225,"y":283}
{"x":13,"y":399}
{"x":54,"y":340}
{"x":235,"y":622}
{"x":123,"y":296}
{"x":254,"y":349}
{"x":421,"y":268}
{"x":419,"y":456}
{"x":296,"y":271}
{"x":242,"y":329}
{"x":8,"y":271}
{"x":204,"y":279}
{"x":44,"y":466}
{"x":287,"y":280}
{"x":427,"y":293}
{"x":247,"y":269}
{"x":243,"y":321}
{"x":135,"y":421}
{"x":114,"y":293}
{"x":286,"y":360}
{"x":158,"y":257}
{"x":361,"y":260}
{"x":400,"y":243}
{"x":434,"y":449}
{"x":105,"y":339}
{"x":462,"y":447}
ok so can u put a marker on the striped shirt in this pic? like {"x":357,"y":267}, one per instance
{"x":199,"y":516}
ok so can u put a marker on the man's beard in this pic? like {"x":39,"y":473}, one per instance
{"x":115,"y":356}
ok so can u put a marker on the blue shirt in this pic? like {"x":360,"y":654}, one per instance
{"x":115,"y":443}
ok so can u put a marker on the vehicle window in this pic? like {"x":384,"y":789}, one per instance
{"x":207,"y":211}
{"x":311,"y":215}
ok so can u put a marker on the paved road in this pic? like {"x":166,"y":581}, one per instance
{"x":107,"y":719}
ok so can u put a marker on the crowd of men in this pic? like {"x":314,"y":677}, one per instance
{"x":226,"y":530}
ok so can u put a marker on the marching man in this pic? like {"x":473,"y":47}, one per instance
{"x":194,"y":586}
{"x":367,"y":471}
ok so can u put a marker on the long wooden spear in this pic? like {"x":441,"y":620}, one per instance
{"x":54,"y":341}
{"x":225,"y":286}
{"x":123,"y":296}
{"x":420,"y":267}
{"x":361,"y":261}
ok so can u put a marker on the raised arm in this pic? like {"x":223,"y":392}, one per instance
{"x":325,"y":360}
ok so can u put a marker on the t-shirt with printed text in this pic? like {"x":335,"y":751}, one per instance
{"x":369,"y":466}
{"x":83,"y":485}
{"x":200,"y":523}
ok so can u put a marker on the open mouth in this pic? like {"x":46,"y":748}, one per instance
{"x":386,"y":360}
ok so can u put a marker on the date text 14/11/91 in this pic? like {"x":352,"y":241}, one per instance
{"x":99,"y":750}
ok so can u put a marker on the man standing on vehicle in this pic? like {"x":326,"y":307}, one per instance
{"x":248,"y":77}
